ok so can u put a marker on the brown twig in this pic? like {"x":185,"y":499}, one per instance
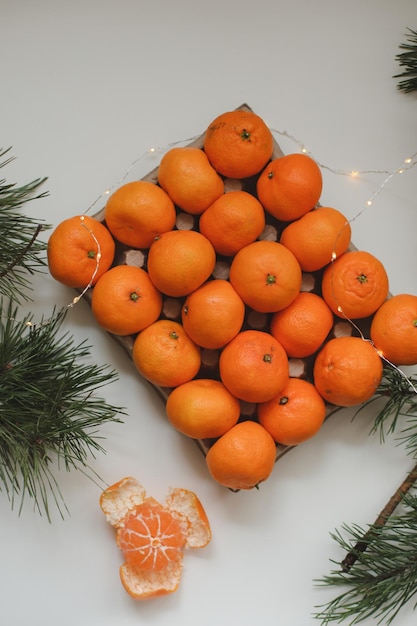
{"x":360,"y":547}
{"x":26,"y":249}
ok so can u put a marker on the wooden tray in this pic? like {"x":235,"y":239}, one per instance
{"x":301,"y":368}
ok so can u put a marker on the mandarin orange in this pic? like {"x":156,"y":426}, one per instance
{"x":243,"y":457}
{"x":79,"y":251}
{"x":164,"y":354}
{"x":295,"y":415}
{"x":347,"y":371}
{"x":213,"y":314}
{"x":317,"y":238}
{"x":151,"y":538}
{"x":139,"y":211}
{"x":238,"y":144}
{"x":254,"y":366}
{"x":124,"y":300}
{"x":355,"y":285}
{"x":187,"y":176}
{"x":394,"y":329}
{"x":266,"y":275}
{"x":202,"y":408}
{"x":180,"y":261}
{"x":290,"y":186}
{"x":302,"y":327}
{"x":233,"y":221}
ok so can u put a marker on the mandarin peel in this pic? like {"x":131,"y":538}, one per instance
{"x":153,"y":536}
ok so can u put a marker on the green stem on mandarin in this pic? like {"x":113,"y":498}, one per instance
{"x":245,"y":134}
{"x":270,"y":279}
{"x":362,"y":278}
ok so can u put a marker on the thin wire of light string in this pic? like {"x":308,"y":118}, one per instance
{"x":407,"y":164}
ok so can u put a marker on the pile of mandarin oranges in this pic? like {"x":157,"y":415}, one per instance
{"x":243,"y":294}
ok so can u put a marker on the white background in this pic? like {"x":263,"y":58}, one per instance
{"x":89,"y":86}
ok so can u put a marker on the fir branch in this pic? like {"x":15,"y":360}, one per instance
{"x":383,"y":579}
{"x":408,"y":59}
{"x":21,"y":253}
{"x":379,"y":576}
{"x":50,"y":415}
{"x":396,"y":399}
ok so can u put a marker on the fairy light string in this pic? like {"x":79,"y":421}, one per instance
{"x":407,"y":164}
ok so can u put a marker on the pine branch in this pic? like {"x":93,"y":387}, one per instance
{"x":398,"y":411}
{"x":50,"y":415}
{"x":379,"y":570}
{"x":383,"y":579}
{"x":408,"y":59}
{"x":21,"y":252}
{"x":388,"y":510}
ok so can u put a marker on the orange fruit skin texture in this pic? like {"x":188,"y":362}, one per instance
{"x":254,"y":366}
{"x":394,"y":329}
{"x":290,"y":186}
{"x":124,"y":300}
{"x":151,"y":538}
{"x":138,"y":212}
{"x":233,"y":221}
{"x":72,"y":251}
{"x":357,"y":282}
{"x":238,"y":144}
{"x":266,"y":275}
{"x":202,"y":408}
{"x":347,"y":371}
{"x":213,"y":314}
{"x":180,"y":261}
{"x":189,"y":179}
{"x":243,"y":457}
{"x":295,"y":415}
{"x":165,"y":355}
{"x":317,"y":237}
{"x":302,"y":327}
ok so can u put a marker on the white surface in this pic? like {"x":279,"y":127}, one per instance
{"x":87,"y":87}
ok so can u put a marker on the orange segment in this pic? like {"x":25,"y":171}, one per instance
{"x":151,"y":537}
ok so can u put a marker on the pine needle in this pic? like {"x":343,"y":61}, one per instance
{"x":408,"y":60}
{"x":21,"y":252}
{"x":50,"y":413}
{"x":383,"y":578}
